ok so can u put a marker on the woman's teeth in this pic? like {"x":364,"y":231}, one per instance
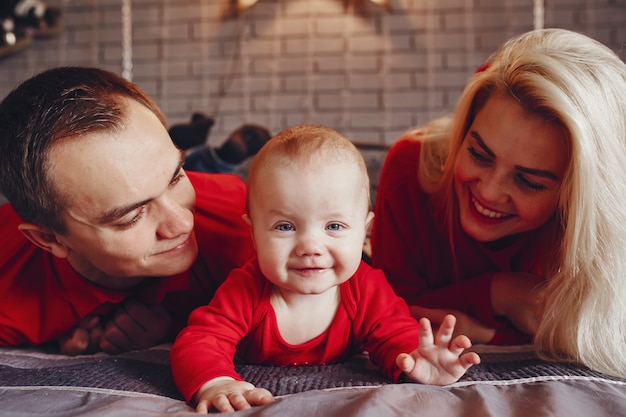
{"x":488,"y":213}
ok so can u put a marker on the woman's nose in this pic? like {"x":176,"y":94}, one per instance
{"x":494,"y":187}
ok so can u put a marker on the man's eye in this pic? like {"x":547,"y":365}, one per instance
{"x":134,"y":220}
{"x":177,"y":178}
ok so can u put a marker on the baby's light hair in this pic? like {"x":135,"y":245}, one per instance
{"x":303,"y":145}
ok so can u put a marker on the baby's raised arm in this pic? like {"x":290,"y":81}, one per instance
{"x":439,"y":360}
{"x":226,"y":394}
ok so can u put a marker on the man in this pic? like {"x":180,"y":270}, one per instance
{"x":107,"y":244}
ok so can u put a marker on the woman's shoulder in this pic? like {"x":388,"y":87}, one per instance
{"x":401,"y":165}
{"x":407,"y":146}
{"x":420,"y":149}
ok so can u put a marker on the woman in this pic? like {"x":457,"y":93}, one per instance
{"x":510,"y":214}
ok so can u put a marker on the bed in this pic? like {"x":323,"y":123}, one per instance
{"x":509,"y":382}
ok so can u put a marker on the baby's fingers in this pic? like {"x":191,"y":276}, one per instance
{"x":202,"y":407}
{"x":459,"y":344}
{"x":238,"y":401}
{"x":444,"y":334}
{"x":469,"y":359}
{"x":258,"y":396}
{"x":229,"y":402}
{"x":426,"y":338}
{"x":221,"y":402}
{"x":405,"y":362}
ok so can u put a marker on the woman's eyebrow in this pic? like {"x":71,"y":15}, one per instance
{"x":538,"y":172}
{"x":532,"y":171}
{"x":481,"y":143}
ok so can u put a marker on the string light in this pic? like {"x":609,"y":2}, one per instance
{"x":382,"y":3}
{"x":242,"y":5}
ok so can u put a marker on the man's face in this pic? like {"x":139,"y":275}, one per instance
{"x":129,"y":203}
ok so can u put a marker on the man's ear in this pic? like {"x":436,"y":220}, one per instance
{"x":45,"y":239}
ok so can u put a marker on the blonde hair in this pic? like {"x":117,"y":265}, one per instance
{"x":578,"y":84}
{"x":306,"y":144}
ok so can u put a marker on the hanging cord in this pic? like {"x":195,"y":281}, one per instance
{"x":538,"y":12}
{"x":235,"y":61}
{"x":127,"y":41}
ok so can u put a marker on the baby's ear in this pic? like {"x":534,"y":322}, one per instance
{"x":45,"y":239}
{"x":369,"y":219}
{"x":246,"y":218}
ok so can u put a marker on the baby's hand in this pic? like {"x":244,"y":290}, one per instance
{"x":226,"y":395}
{"x":439,"y":361}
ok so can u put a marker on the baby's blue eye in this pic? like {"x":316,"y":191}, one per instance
{"x":284,"y":227}
{"x":334,"y":227}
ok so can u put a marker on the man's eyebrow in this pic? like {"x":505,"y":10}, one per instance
{"x":120,"y":212}
{"x":537,"y":172}
{"x":181,"y":162}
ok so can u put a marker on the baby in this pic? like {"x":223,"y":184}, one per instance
{"x":307,"y":298}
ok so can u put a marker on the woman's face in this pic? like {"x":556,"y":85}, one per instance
{"x":509,"y":171}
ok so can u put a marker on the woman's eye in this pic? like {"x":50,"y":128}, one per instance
{"x":528,"y":185}
{"x":477,"y":156}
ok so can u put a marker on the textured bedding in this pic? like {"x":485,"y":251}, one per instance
{"x":509,"y":382}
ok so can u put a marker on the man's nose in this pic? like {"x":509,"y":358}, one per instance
{"x":175,"y":220}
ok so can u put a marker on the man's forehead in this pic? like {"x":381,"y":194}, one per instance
{"x":102,"y":171}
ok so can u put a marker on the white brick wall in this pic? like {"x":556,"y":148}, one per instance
{"x":369,"y":73}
